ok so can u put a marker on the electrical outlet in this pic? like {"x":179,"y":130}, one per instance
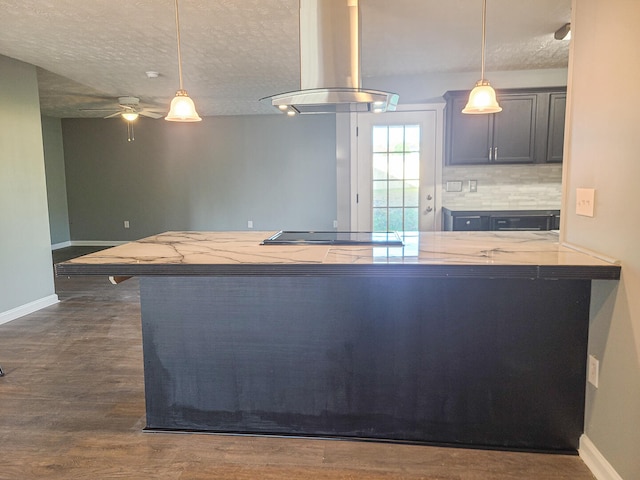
{"x":593,"y":371}
{"x":473,"y":185}
{"x":249,"y":223}
{"x":335,"y":224}
{"x":126,"y":224}
{"x":454,"y":186}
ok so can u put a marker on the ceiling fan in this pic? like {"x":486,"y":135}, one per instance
{"x":129,"y":109}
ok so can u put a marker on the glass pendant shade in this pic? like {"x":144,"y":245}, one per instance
{"x":482,"y":99}
{"x":182,"y":109}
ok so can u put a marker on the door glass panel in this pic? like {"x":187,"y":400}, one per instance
{"x":380,"y":194}
{"x":412,"y":138}
{"x":396,"y":139}
{"x":395,"y":219}
{"x":396,"y":193}
{"x":380,"y":166}
{"x":380,"y":139}
{"x":380,"y":220}
{"x":396,"y":177}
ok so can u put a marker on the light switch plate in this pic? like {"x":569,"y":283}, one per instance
{"x":454,"y":186}
{"x":585,"y":200}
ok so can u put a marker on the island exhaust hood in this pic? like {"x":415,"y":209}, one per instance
{"x":330,"y":64}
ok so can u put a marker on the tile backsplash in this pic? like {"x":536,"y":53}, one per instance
{"x":503,"y":187}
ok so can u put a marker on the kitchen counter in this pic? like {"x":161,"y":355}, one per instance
{"x":457,"y":338}
{"x":432,"y":254}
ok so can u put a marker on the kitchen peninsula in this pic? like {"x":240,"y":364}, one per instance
{"x":460,"y":338}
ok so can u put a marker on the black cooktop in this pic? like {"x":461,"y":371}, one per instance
{"x":334,"y":238}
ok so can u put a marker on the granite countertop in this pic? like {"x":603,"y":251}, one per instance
{"x":427,"y":254}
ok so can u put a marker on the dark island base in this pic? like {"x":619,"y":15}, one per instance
{"x":495,"y":363}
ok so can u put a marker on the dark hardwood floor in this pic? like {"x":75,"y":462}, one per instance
{"x":72,"y":407}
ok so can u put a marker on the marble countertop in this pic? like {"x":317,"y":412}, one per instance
{"x":425,"y":254}
{"x":449,"y":254}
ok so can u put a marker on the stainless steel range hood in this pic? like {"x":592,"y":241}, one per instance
{"x":330,"y":63}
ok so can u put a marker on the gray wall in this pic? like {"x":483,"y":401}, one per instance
{"x":25,"y":246}
{"x":217,"y":174}
{"x":56,"y":182}
{"x":603,"y":153}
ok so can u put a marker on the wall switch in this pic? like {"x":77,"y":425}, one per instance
{"x":593,"y":371}
{"x":335,"y":224}
{"x":126,"y":224}
{"x":473,"y":185}
{"x":585,"y":199}
{"x":249,"y":223}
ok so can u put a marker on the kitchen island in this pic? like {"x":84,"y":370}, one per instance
{"x":460,"y":338}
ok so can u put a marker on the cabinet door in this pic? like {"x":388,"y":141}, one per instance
{"x":514,"y":129}
{"x":469,"y":136}
{"x":555,"y":139}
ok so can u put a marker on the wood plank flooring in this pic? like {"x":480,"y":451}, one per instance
{"x":72,"y":407}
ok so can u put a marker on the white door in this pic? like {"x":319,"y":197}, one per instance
{"x":396,"y":171}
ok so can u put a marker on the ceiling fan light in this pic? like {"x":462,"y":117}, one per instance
{"x":482,"y":99}
{"x":130,"y":116}
{"x":182,"y":109}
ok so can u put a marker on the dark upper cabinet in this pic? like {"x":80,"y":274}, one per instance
{"x":468,"y":137}
{"x":521,"y":133}
{"x":555,"y":142}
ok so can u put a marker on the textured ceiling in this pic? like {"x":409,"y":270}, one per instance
{"x":237,"y":51}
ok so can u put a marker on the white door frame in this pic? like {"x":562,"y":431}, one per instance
{"x":360,"y":185}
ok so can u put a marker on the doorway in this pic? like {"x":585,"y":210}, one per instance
{"x":396,"y":171}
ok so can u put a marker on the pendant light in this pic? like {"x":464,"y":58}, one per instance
{"x":182,"y":107}
{"x":482,"y":98}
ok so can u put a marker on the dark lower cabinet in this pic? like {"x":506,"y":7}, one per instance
{"x":500,"y":220}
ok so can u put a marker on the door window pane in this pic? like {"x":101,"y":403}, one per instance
{"x":380,"y":194}
{"x":395,"y":219}
{"x":380,"y":171}
{"x":396,"y":177}
{"x":380,"y":139}
{"x":396,"y":139}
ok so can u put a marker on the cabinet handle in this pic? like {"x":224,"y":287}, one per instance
{"x":495,"y":153}
{"x":490,"y":150}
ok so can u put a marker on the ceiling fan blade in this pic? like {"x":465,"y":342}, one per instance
{"x":147,"y":113}
{"x":97,"y":109}
{"x":113,"y":115}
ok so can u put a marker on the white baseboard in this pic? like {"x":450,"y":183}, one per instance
{"x":595,"y":461}
{"x":27,"y":308}
{"x":97,"y":243}
{"x":88,"y":243}
{"x":58,"y":246}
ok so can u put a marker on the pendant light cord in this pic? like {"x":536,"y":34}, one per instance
{"x":484,"y":34}
{"x":178,"y":38}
